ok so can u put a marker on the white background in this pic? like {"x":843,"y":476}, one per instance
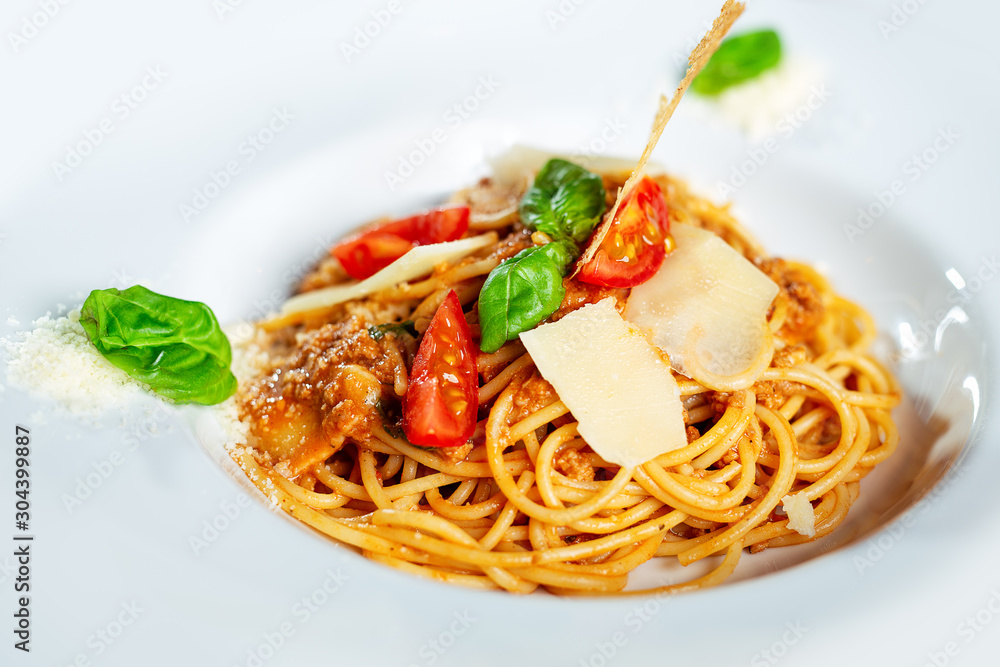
{"x":117,"y":219}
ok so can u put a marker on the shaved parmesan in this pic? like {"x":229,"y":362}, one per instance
{"x":615,"y":383}
{"x":801,"y":517}
{"x":417,"y":262}
{"x":523,"y":161}
{"x":707,"y":309}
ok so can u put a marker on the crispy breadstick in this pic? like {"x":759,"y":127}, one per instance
{"x":699,"y":56}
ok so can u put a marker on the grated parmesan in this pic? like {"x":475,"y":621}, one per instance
{"x":250,"y":360}
{"x":760,"y":106}
{"x":55,"y":359}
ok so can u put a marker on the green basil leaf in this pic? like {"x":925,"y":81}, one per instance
{"x":378,"y":331}
{"x":174,"y":346}
{"x":522,"y":292}
{"x":566,"y":202}
{"x":738,"y":59}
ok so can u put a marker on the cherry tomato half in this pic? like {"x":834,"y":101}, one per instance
{"x":634,"y":247}
{"x":370,"y":253}
{"x":435,"y":226}
{"x":373,"y":250}
{"x":442,"y":399}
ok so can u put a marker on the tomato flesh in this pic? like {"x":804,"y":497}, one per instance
{"x":371,"y":251}
{"x":635,"y":244}
{"x":441,"y":404}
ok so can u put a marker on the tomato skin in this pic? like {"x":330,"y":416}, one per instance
{"x":371,"y":251}
{"x":441,"y":404}
{"x":438,"y":225}
{"x":634,"y":247}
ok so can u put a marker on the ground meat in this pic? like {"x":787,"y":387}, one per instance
{"x":805,"y":313}
{"x":326,"y":391}
{"x":513,"y":243}
{"x":534,"y":394}
{"x":772,"y":395}
{"x":323,"y":352}
{"x":790,"y":356}
{"x":573,"y":465}
{"x":350,"y":402}
{"x":721,"y":401}
{"x":805,"y":306}
{"x":579,"y":294}
{"x":454,"y":454}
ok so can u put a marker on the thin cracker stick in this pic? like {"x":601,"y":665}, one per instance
{"x":699,"y":56}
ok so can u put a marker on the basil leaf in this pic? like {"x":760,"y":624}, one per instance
{"x":378,"y":331}
{"x":174,"y":346}
{"x":566,"y":202}
{"x":390,"y":414}
{"x":738,"y":59}
{"x":522,"y":292}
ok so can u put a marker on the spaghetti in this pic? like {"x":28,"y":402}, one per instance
{"x":526,"y":502}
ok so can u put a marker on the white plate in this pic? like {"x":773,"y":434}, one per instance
{"x":116,"y":219}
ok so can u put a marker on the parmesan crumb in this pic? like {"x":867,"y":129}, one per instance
{"x":761,"y":105}
{"x":801,"y":517}
{"x":250,"y":360}
{"x":55,"y":359}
